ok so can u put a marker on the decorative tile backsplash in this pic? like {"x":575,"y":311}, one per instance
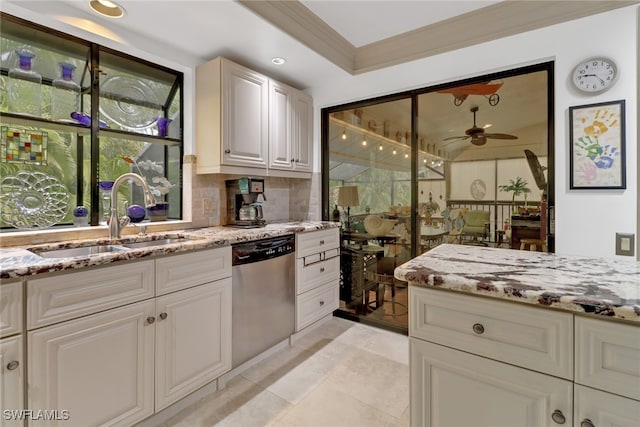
{"x":287,"y":198}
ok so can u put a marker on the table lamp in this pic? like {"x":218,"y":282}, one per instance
{"x":347,"y":197}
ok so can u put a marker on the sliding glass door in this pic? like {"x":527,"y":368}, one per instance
{"x":463,"y":163}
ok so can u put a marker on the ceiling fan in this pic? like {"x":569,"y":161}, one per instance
{"x":477,"y":135}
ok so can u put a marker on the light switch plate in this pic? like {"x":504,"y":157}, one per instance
{"x":625,"y":244}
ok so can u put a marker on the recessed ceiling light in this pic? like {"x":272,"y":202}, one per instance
{"x":107,"y":8}
{"x":278,"y":60}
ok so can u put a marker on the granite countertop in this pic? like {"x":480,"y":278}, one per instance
{"x":17,"y":262}
{"x":595,"y":286}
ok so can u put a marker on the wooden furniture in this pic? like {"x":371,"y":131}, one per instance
{"x":381,"y":276}
{"x":533,"y":245}
{"x":317,"y":275}
{"x":245,"y":119}
{"x":508,"y":364}
{"x":524,"y":227}
{"x":153,"y":331}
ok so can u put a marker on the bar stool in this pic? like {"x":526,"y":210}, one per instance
{"x":533,"y":245}
{"x":383,"y":276}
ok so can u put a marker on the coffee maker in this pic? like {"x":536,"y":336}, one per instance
{"x":243,"y":208}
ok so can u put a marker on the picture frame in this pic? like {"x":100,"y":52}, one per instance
{"x":597,"y":152}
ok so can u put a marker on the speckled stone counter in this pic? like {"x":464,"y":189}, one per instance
{"x":595,"y":286}
{"x":16,"y":262}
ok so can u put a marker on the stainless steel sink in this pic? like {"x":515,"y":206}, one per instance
{"x":159,"y":242}
{"x":83,"y":251}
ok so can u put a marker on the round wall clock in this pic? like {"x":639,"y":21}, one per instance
{"x":594,"y":75}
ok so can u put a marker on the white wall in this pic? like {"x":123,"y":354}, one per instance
{"x":586,"y":221}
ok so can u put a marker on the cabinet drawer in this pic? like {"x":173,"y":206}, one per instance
{"x":177,"y":272}
{"x":533,"y":338}
{"x":67,"y":296}
{"x":608,"y":356}
{"x":316,"y":304}
{"x":312,"y":275}
{"x":10,"y":309}
{"x":316,"y":241}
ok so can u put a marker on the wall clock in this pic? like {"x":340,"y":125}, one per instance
{"x":594,"y":75}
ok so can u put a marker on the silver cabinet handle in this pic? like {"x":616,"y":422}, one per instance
{"x":587,"y":423}
{"x":322,"y":242}
{"x":227,"y":151}
{"x":478,"y":328}
{"x":151,"y":319}
{"x":293,"y":160}
{"x":13,"y":365}
{"x":163,"y":316}
{"x":321,"y":269}
{"x":558,"y":417}
{"x":321,"y":303}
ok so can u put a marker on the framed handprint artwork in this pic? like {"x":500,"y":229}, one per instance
{"x":596,"y":146}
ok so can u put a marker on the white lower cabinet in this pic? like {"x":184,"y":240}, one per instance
{"x":483,"y":363}
{"x":11,"y":380}
{"x":118,"y":366}
{"x":193,"y":340}
{"x":595,"y":408}
{"x":98,"y":368}
{"x":454,"y":388}
{"x":317,"y":275}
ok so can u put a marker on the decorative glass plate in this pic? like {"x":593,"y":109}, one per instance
{"x":137,"y":115}
{"x":32,"y":200}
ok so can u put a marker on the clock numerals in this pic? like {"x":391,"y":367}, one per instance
{"x":594,"y":75}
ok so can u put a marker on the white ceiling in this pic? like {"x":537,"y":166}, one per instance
{"x":317,"y":38}
{"x":362,"y":22}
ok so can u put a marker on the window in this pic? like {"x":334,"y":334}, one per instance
{"x":75,"y":116}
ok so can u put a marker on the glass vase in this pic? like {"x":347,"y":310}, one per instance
{"x":25,"y":86}
{"x":105,"y":198}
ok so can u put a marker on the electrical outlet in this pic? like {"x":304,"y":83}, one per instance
{"x":625,"y":244}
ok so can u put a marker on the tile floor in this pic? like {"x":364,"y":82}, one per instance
{"x":339,"y":374}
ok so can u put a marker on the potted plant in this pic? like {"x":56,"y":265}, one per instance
{"x":517,"y":187}
{"x":429,"y":208}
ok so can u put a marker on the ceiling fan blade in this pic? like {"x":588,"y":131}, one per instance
{"x":456,"y":137}
{"x":500,"y":136}
{"x":479,"y":140}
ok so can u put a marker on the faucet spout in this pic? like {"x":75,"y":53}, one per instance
{"x":149,"y":201}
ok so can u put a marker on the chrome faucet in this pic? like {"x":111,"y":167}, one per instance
{"x":115,"y":223}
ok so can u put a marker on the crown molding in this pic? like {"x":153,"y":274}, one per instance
{"x":295,"y":19}
{"x":493,"y":22}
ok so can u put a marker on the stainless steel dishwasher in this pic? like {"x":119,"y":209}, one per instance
{"x":263,"y":295}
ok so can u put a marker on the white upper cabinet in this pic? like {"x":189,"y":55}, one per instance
{"x":232,"y":115}
{"x":246,"y":120}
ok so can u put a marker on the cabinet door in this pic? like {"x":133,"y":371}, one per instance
{"x":594,"y":408}
{"x":245,"y":116}
{"x":193,"y":344}
{"x":281,"y":154}
{"x":11,"y":379}
{"x":303,"y":132}
{"x":98,"y":368}
{"x":10,"y":309}
{"x":453,"y":388}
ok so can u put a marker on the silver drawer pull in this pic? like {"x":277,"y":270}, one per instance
{"x":163,"y":316}
{"x":321,"y":269}
{"x":321,"y":302}
{"x":151,"y":319}
{"x":227,"y":151}
{"x":322,"y":242}
{"x":558,"y":417}
{"x":13,"y":365}
{"x":587,"y":423}
{"x":478,"y":328}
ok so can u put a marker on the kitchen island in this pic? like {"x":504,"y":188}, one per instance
{"x":522,"y":338}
